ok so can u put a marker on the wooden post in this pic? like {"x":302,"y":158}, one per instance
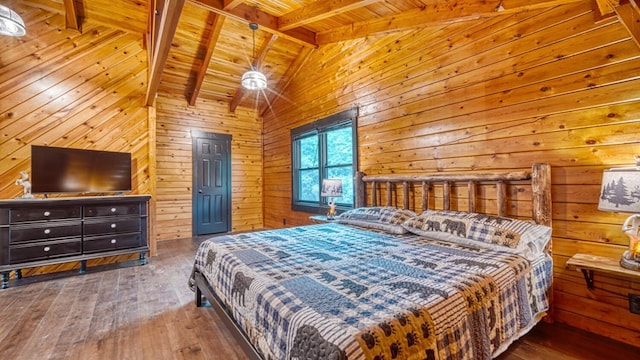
{"x":405,"y":192}
{"x":471,"y":193}
{"x":361,"y":190}
{"x":541,"y":213}
{"x":374,"y":195}
{"x":446,"y":196}
{"x":501,"y":189}
{"x":541,"y":189}
{"x":425,"y":195}
{"x":389,"y":194}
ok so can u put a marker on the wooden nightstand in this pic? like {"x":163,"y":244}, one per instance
{"x":321,"y":219}
{"x":590,"y":263}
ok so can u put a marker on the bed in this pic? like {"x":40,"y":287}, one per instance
{"x":389,"y":282}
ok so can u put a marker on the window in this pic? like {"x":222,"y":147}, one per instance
{"x":324,"y":149}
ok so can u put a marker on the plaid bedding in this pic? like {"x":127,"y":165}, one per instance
{"x":334,"y":291}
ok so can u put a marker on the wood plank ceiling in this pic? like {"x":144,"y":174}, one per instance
{"x":201,"y":48}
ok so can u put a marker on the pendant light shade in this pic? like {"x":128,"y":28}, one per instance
{"x":11,"y":23}
{"x":254,"y":79}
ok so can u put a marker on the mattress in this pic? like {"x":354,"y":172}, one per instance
{"x":333,"y":291}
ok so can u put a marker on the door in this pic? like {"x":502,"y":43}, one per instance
{"x":211,"y":183}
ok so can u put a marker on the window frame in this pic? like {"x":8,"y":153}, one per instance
{"x":319,"y":128}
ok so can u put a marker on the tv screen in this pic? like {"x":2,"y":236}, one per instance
{"x":66,"y":170}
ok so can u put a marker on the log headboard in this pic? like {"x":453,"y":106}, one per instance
{"x":369,"y":187}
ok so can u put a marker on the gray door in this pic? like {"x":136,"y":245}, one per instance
{"x":211,"y":183}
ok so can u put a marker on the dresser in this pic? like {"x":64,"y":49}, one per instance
{"x":38,"y":232}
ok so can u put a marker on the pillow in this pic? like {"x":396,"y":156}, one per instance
{"x":493,"y":232}
{"x":386,"y":218}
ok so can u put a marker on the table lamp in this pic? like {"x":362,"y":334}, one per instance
{"x":331,"y":188}
{"x":621,"y":193}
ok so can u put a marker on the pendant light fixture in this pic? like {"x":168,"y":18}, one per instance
{"x":11,"y":23}
{"x":254,"y":79}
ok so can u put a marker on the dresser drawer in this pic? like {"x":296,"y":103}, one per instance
{"x":114,"y":226}
{"x":48,"y":230}
{"x":44,"y":250}
{"x":112,"y":210}
{"x":4,"y":245}
{"x":112,"y":242}
{"x":44,"y":213}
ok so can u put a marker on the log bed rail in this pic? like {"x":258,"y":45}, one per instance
{"x":540,"y":177}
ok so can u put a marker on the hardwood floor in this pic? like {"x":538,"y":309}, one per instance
{"x":148,"y":312}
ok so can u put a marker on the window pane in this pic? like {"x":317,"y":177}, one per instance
{"x":339,"y":146}
{"x":309,"y":152}
{"x":309,"y":185}
{"x":346,"y":174}
{"x":323,"y":149}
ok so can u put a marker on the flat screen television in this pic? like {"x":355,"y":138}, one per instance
{"x":66,"y":170}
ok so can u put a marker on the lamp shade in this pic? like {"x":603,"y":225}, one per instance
{"x":332,"y":187}
{"x":11,"y":23}
{"x":620,"y":190}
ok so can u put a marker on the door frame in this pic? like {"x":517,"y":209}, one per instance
{"x":197,"y":134}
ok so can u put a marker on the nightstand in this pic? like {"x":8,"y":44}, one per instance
{"x":319,"y":219}
{"x":590,"y":263}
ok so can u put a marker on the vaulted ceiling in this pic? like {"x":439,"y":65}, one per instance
{"x":201,"y":48}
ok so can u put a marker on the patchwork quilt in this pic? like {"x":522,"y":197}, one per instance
{"x":333,"y":291}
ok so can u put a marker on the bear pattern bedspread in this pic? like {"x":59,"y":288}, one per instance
{"x":333,"y":291}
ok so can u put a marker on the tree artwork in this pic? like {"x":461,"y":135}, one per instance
{"x":616,"y":192}
{"x":635,"y":194}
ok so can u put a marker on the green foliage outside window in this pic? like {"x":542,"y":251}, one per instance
{"x":324,"y":153}
{"x":339,"y":161}
{"x":309,"y":167}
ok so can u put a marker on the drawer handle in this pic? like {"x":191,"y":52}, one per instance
{"x":47,"y":213}
{"x":113,"y":241}
{"x":47,"y":231}
{"x":46,"y":248}
{"x":113,"y":226}
{"x":113,"y":210}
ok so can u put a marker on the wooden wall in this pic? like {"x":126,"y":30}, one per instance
{"x":498,"y":93}
{"x":64,"y":88}
{"x":175,"y":120}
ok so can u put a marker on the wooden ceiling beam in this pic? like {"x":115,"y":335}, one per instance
{"x":267,"y":22}
{"x":152,"y":27}
{"x":231,"y":4}
{"x":629,"y":14}
{"x":214,"y":28}
{"x":603,"y":9}
{"x":237,"y":98}
{"x":286,"y":79}
{"x":167,"y":25}
{"x":73,"y":14}
{"x":439,"y":13}
{"x":319,"y":10}
{"x":257,"y":62}
{"x":266,"y":47}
